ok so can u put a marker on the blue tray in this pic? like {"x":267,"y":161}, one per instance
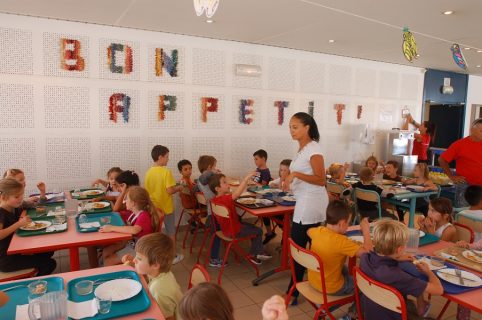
{"x":115,"y":220}
{"x":282,"y":202}
{"x":428,"y":239}
{"x":136,"y":304}
{"x":19,"y":296}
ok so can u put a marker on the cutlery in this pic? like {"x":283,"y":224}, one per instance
{"x":449,"y":256}
{"x":14,"y":287}
{"x":458,"y":273}
{"x":456,"y":276}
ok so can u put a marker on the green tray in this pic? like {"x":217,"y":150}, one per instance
{"x":115,"y":218}
{"x":428,"y":239}
{"x":29,"y":233}
{"x":49,"y":207}
{"x":87,"y":197}
{"x":102,"y":210}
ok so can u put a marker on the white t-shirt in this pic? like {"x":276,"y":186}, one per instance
{"x":311,"y":200}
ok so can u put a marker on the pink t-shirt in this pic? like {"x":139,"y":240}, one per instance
{"x":143,"y":220}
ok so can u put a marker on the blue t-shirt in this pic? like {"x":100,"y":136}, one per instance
{"x":264,"y":176}
{"x":387,"y":270}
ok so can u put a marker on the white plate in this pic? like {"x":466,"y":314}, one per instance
{"x":119,"y":289}
{"x":448,"y":275}
{"x":246,"y":200}
{"x":415,"y":187}
{"x":40,"y":225}
{"x":422,"y":234}
{"x":472,"y":256}
{"x":358,"y":239}
{"x":88,"y":193}
{"x":98,"y":205}
{"x":477,"y":251}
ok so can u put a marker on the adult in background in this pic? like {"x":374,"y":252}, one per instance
{"x":422,"y":139}
{"x":467,"y":153}
{"x":307,"y":181}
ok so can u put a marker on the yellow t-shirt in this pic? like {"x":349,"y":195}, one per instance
{"x":167,"y":293}
{"x":156,"y":182}
{"x":333,"y":248}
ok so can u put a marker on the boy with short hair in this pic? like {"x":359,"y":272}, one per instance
{"x":382,"y":264}
{"x":187,"y":196}
{"x":160,"y":184}
{"x":333,"y":247}
{"x":232,"y":226}
{"x":263,"y":178}
{"x":473,"y":196}
{"x":391,"y":168}
{"x":154,"y":256}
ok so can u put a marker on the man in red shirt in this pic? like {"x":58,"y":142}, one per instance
{"x":467,"y":153}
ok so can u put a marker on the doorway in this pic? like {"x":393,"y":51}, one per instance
{"x":449,"y":121}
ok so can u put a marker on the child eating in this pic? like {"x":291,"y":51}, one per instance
{"x":438,"y":221}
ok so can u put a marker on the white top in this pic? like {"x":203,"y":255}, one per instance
{"x":441,"y":229}
{"x":311,"y":200}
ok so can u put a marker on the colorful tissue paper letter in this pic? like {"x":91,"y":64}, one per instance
{"x":339,"y":112}
{"x":311,"y":108}
{"x":119,"y":102}
{"x":246,"y":111}
{"x":169,"y":63}
{"x":166,"y":103}
{"x":70,"y":58}
{"x":281,"y":105}
{"x":112,"y":51}
{"x":208,"y":104}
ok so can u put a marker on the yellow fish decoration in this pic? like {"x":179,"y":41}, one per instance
{"x":409,"y":45}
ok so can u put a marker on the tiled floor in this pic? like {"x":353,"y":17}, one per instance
{"x":247,"y":299}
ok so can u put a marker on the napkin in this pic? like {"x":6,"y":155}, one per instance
{"x":88,"y":225}
{"x":57,"y":227}
{"x":22,"y":312}
{"x":55,"y":213}
{"x":80,"y":310}
{"x":54,"y":195}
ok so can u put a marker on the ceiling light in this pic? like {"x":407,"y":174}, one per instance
{"x":467,"y":48}
{"x":479,"y":51}
{"x":206,"y":6}
{"x":448,"y":12}
{"x":477,"y":66}
{"x":209,"y":20}
{"x":331,"y":41}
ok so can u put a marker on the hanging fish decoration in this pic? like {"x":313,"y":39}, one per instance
{"x":458,"y":56}
{"x":409,"y":45}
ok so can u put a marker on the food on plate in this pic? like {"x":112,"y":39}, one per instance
{"x":472,"y":256}
{"x":98,"y":205}
{"x":288,"y":198}
{"x":92,"y":193}
{"x":35,"y":226}
{"x":247,"y":201}
{"x":40,"y":288}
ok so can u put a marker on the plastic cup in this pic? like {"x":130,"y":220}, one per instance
{"x":84,"y":287}
{"x":413,"y":240}
{"x":103,"y":304}
{"x":82,"y":219}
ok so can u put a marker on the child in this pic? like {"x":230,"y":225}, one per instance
{"x":219,"y":186}
{"x":187,"y":193}
{"x":207,"y":166}
{"x":337,"y":173}
{"x":154,"y":256}
{"x":160,"y":184}
{"x":438,"y":221}
{"x":11,"y":197}
{"x":19,"y":175}
{"x":121,"y":183}
{"x":368,"y":209}
{"x":143,"y":220}
{"x":284,"y":171}
{"x":110,"y":193}
{"x":421,"y":178}
{"x":391,"y":169}
{"x":382,"y":264}
{"x":473,"y":196}
{"x":372,"y":163}
{"x":333,"y":247}
{"x":260,"y":158}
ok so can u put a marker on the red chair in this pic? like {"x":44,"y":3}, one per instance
{"x":19,"y":274}
{"x":464,"y":232}
{"x":198,"y":275}
{"x":232,"y":242}
{"x":382,"y":294}
{"x":320,"y":300}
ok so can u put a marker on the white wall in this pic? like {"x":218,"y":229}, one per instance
{"x":54,"y":123}
{"x":474,"y":96}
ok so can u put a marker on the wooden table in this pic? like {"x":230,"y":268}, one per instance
{"x":270,"y":212}
{"x":471,"y":299}
{"x":153,"y":312}
{"x":70,"y":239}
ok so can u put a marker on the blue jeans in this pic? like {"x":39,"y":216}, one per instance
{"x":213,"y":226}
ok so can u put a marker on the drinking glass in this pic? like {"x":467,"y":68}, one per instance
{"x":71,"y":207}
{"x":413,"y":240}
{"x":82,"y":219}
{"x":103,"y":304}
{"x":52,"y":306}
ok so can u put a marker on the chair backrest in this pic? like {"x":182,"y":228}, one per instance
{"x":474,"y":224}
{"x":334,"y":188}
{"x":385,"y":296}
{"x":367,"y":195}
{"x":464,"y":232}
{"x":198,"y":275}
{"x":417,"y":216}
{"x":219,"y":210}
{"x":201,"y":199}
{"x":306,"y":258}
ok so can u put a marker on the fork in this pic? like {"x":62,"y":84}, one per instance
{"x":14,"y":287}
{"x":458,"y":273}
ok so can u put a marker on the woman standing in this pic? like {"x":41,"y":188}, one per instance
{"x":422,"y":140}
{"x":307,"y":180}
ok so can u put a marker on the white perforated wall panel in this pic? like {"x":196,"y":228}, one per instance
{"x":16,"y":54}
{"x":168,"y":67}
{"x":16,"y":106}
{"x":340,"y":79}
{"x":66,"y":107}
{"x":242,"y":149}
{"x":122,"y":98}
{"x":166,"y":109}
{"x":19,"y":153}
{"x":388,"y":84}
{"x":209,"y":117}
{"x":245,"y":81}
{"x":213,"y":146}
{"x":312,"y":77}
{"x":409,"y":87}
{"x":68,"y":158}
{"x":208,"y":67}
{"x":123,"y":152}
{"x":281,"y":74}
{"x":247,"y":112}
{"x":366,"y":80}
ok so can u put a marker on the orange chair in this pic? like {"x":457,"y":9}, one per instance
{"x":383,"y":295}
{"x":19,"y":274}
{"x":198,"y":275}
{"x":464,"y":232}
{"x":232,"y":242}
{"x":320,"y":300}
{"x":201,"y":200}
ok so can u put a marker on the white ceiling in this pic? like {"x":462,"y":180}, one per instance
{"x":368,"y":29}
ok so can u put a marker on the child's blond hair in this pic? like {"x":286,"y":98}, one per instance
{"x":334,"y":170}
{"x":424,"y":169}
{"x":11,"y":173}
{"x":366,"y":174}
{"x":141,"y":198}
{"x":388,"y":236}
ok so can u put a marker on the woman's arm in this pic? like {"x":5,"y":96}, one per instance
{"x":318,"y":177}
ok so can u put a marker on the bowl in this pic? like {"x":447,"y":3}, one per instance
{"x":37,"y":287}
{"x":84,"y":287}
{"x":40,"y":209}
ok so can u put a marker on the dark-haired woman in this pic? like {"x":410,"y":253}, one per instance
{"x":307,"y":181}
{"x":422,"y":140}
